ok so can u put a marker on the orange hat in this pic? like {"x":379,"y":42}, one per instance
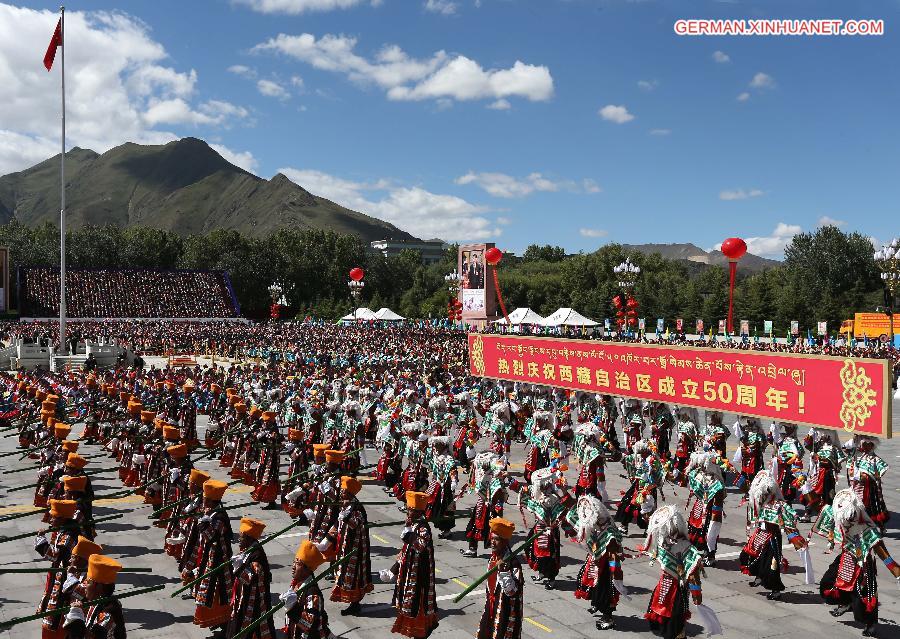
{"x":215,"y":389}
{"x":351,"y":484}
{"x":295,"y":435}
{"x":171,"y":433}
{"x":416,"y":501}
{"x":255,"y":411}
{"x":252,"y":527}
{"x":179,"y":451}
{"x":69,"y":446}
{"x":334,"y":456}
{"x":124,"y":395}
{"x":134,"y":408}
{"x":240,"y":408}
{"x":51,"y":421}
{"x":75,"y":484}
{"x":319,"y":451}
{"x":198,"y":477}
{"x":230,"y":391}
{"x":147,"y":416}
{"x":40,"y":395}
{"x":170,"y":384}
{"x":85,"y":548}
{"x":76,"y":461}
{"x":53,"y":398}
{"x":309,"y":555}
{"x":61,"y":430}
{"x":503,"y":528}
{"x":188,"y":386}
{"x":49,"y":406}
{"x":234,"y":399}
{"x":268,"y":416}
{"x":62,"y":508}
{"x":103,"y":569}
{"x":91,"y":382}
{"x":214,"y":489}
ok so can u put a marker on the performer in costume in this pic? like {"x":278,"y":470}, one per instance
{"x":600,"y":578}
{"x":707,"y":488}
{"x":820,"y":484}
{"x":442,"y":490}
{"x":646,"y":476}
{"x":182,"y":535}
{"x":99,"y":621}
{"x":548,"y":502}
{"x":851,"y":581}
{"x":414,"y":596}
{"x":67,"y":587}
{"x":687,"y":437}
{"x":865,"y":470}
{"x":304,"y":603}
{"x":502,"y":616}
{"x":351,"y":535}
{"x":488,"y":482}
{"x":250,"y":594}
{"x":212,"y":593}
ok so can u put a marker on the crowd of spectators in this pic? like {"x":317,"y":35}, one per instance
{"x":115,"y":293}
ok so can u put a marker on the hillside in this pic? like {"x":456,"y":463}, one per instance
{"x":184,"y":186}
{"x":691,"y":253}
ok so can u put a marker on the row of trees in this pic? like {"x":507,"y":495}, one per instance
{"x":826,"y":275}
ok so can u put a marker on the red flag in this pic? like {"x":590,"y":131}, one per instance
{"x":55,"y":41}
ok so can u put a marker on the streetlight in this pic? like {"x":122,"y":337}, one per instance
{"x":888,"y":262}
{"x":627,"y":274}
{"x":355,"y":289}
{"x":454,"y":283}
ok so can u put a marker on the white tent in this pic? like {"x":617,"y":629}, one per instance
{"x":360,"y":315}
{"x":522,"y":315}
{"x":387,"y":315}
{"x":568,"y":317}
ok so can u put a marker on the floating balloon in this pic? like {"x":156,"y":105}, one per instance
{"x":356,"y":274}
{"x":493,"y":256}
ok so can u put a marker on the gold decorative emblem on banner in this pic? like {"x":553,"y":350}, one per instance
{"x":859,"y":396}
{"x":478,"y":355}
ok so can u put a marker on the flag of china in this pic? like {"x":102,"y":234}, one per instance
{"x":55,"y":41}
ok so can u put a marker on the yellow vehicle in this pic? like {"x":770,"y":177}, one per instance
{"x":871,"y":325}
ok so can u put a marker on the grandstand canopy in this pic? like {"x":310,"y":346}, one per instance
{"x":387,"y":315}
{"x":522,"y":315}
{"x":568,"y":317}
{"x":361,"y":314}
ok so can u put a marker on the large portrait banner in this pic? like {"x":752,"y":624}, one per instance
{"x":849,"y":394}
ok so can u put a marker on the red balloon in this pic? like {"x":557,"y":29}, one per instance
{"x":734,"y":248}
{"x":617,"y":301}
{"x":356,"y":274}
{"x":493,"y":256}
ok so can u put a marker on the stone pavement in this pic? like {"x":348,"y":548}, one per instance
{"x":743,"y":611}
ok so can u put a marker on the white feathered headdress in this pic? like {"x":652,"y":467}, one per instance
{"x":667,"y":524}
{"x":849,"y":509}
{"x":762,"y":489}
{"x":592,"y":515}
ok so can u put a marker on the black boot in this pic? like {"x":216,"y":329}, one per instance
{"x":353,"y":609}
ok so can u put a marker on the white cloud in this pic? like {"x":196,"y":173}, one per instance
{"x":405,"y":78}
{"x":614,"y":113}
{"x":647,"y":85}
{"x":244,"y":159}
{"x":773,"y":245}
{"x":443,"y":7}
{"x":297,"y":81}
{"x":739,"y":194}
{"x":743,"y":97}
{"x":272,"y":89}
{"x":762,"y":81}
{"x":660,"y":131}
{"x":243,"y":71}
{"x":592,"y":233}
{"x":119,"y":87}
{"x":296,"y":7}
{"x":413,"y":209}
{"x":500,"y":105}
{"x":721,"y":57}
{"x":830,"y":221}
{"x":507,"y":186}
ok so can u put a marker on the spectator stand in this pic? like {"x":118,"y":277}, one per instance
{"x":101,"y":293}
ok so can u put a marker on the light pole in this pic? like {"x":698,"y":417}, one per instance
{"x":627,"y":274}
{"x":356,"y":288}
{"x":887,"y":259}
{"x":454,"y":283}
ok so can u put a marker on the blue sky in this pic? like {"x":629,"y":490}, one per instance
{"x":570,"y":122}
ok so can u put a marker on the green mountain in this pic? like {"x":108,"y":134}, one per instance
{"x":184,"y":186}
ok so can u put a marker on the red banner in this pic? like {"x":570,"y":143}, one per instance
{"x":828,"y":392}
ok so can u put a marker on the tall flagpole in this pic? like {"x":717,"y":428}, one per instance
{"x":62,"y":187}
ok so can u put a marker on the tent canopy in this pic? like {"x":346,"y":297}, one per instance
{"x":522,"y":315}
{"x":387,"y":315}
{"x":568,"y":317}
{"x":361,"y":314}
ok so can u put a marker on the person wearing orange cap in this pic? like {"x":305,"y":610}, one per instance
{"x":298,"y":459}
{"x":305,"y":611}
{"x":187,"y":414}
{"x":76,"y":489}
{"x":57,"y":546}
{"x":156,"y":439}
{"x":175,"y":476}
{"x":325,"y":506}
{"x":414,"y":597}
{"x":252,"y":583}
{"x":66,"y":585}
{"x":213,"y":594}
{"x":351,"y":535}
{"x":299,"y":502}
{"x":502,"y":616}
{"x":269,"y":442}
{"x":181,"y":534}
{"x":53,"y":458}
{"x":99,"y":620}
